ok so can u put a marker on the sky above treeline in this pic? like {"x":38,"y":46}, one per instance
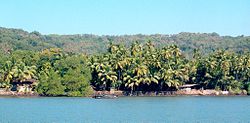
{"x":119,"y":17}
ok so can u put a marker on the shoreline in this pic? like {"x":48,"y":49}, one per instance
{"x":204,"y":93}
{"x":8,"y":96}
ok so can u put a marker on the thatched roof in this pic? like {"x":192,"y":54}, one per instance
{"x":188,"y":85}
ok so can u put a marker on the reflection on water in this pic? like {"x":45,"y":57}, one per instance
{"x":126,"y":110}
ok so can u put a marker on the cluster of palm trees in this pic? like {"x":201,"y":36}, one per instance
{"x":16,"y":71}
{"x":135,"y":68}
{"x":224,"y":70}
{"x":20,"y":65}
{"x":146,"y":68}
{"x":54,"y":72}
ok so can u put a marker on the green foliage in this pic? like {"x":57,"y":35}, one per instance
{"x":27,"y":57}
{"x":50,"y":84}
{"x":248,"y":88}
{"x":146,"y":68}
{"x":57,"y":73}
{"x":17,"y":39}
{"x":136,"y":64}
{"x":75,"y":83}
{"x":71,"y":78}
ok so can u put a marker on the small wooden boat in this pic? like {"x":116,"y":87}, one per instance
{"x":105,"y":96}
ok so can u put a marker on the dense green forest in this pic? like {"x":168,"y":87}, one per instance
{"x":137,"y":68}
{"x":70,"y":65}
{"x":17,"y":39}
{"x":57,"y":73}
{"x":146,"y":68}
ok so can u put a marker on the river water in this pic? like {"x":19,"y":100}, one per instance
{"x":180,"y":109}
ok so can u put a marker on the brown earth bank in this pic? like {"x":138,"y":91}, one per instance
{"x":192,"y":92}
{"x":4,"y":92}
{"x":174,"y":93}
{"x":17,"y":94}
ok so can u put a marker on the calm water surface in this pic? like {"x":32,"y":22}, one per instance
{"x":126,"y":110}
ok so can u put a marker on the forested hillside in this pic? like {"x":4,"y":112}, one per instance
{"x":136,"y":68}
{"x":129,"y":63}
{"x":18,"y":39}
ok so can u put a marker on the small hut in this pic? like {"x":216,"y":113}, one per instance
{"x":24,"y":86}
{"x":189,"y":87}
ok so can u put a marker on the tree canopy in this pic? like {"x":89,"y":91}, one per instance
{"x":17,"y":39}
{"x":127,"y":63}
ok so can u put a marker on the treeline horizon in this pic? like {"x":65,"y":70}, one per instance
{"x":18,"y":39}
{"x":125,"y":34}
